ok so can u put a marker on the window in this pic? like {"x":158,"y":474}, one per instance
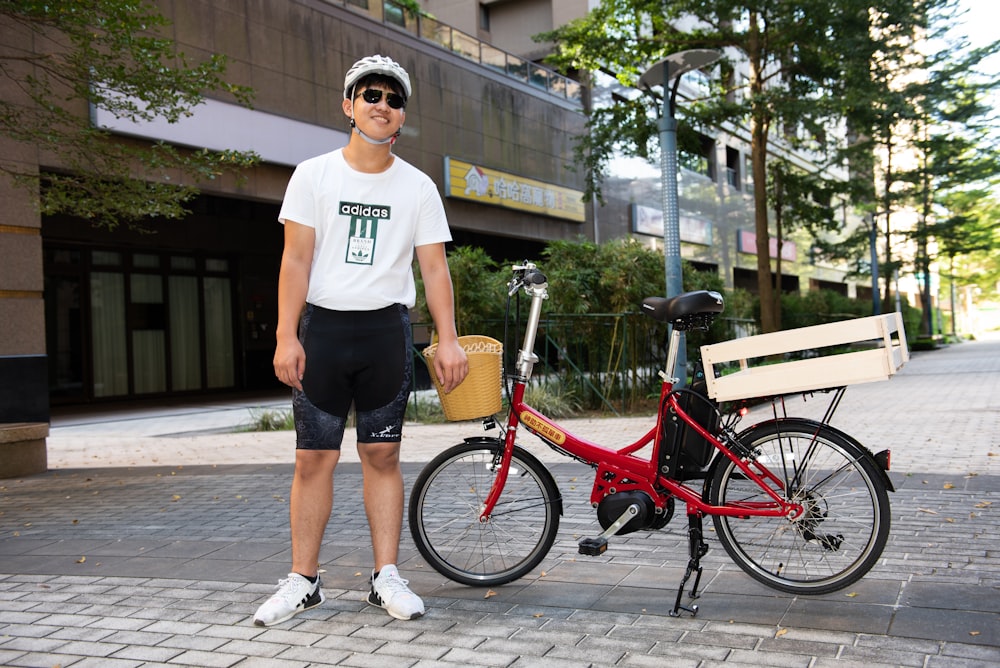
{"x":394,"y":14}
{"x":733,"y":167}
{"x":698,"y":156}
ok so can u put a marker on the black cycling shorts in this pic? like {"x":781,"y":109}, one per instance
{"x":359,"y":358}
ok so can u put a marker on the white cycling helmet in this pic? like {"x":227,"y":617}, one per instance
{"x":376,"y":65}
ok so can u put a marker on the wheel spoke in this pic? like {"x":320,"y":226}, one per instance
{"x":845,"y":520}
{"x":445,"y":516}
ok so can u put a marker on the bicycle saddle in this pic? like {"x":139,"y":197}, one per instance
{"x":688,"y":309}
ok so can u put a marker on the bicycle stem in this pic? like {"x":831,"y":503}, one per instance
{"x":526,"y":357}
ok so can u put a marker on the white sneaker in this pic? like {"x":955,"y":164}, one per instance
{"x":295,"y":594}
{"x":389,"y":591}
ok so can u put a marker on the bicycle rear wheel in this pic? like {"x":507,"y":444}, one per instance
{"x":844,"y":528}
{"x":447,"y":500}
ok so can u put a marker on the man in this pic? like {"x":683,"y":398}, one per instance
{"x":353,"y":219}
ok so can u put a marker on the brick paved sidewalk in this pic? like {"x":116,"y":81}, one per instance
{"x":151,"y":566}
{"x":112,"y":567}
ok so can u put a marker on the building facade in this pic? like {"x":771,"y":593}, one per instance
{"x":188,"y":307}
{"x":89,"y":316}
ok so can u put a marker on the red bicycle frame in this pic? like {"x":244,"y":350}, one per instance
{"x":633,"y":472}
{"x":640,"y":472}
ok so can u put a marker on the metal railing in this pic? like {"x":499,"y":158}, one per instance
{"x":608,"y":361}
{"x":471,"y":48}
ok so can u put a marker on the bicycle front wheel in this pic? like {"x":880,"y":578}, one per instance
{"x":845,"y":525}
{"x":445,"y":508}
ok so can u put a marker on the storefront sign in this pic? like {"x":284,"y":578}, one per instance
{"x":694,"y":229}
{"x":465,"y":180}
{"x":746,"y":242}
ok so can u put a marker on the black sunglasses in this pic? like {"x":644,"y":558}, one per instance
{"x":373,"y":95}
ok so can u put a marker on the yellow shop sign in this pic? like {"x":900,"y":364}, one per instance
{"x":464,"y":180}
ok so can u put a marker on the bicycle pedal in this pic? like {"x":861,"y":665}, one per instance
{"x":593,"y":547}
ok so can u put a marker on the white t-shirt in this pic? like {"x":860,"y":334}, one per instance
{"x":367,"y":226}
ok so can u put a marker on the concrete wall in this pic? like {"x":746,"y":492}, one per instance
{"x":23,"y":390}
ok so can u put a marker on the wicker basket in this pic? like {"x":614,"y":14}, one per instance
{"x":479,"y":394}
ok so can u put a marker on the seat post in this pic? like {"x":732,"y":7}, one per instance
{"x":672,"y":350}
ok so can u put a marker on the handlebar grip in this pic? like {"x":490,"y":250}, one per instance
{"x":534,"y":277}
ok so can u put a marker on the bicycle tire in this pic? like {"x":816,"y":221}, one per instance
{"x":446,"y":502}
{"x":844,"y":528}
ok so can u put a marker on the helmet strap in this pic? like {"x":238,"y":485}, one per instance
{"x":388,"y":140}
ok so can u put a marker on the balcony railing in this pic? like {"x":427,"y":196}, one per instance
{"x":468,"y":47}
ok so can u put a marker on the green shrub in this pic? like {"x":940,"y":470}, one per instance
{"x":267,"y":419}
{"x":553,"y":398}
{"x":425,"y":408}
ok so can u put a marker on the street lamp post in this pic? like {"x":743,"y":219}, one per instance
{"x":662,"y":73}
{"x":873,"y":249}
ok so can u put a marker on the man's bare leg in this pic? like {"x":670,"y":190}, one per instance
{"x":383,"y":495}
{"x":310,"y":504}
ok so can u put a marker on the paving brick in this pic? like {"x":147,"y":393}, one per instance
{"x":82,"y":633}
{"x":84,"y":648}
{"x":197,"y":643}
{"x":28,"y":630}
{"x":989,"y":653}
{"x":895,"y":655}
{"x":650,"y":661}
{"x":314,"y":655}
{"x":30,"y":644}
{"x":782,"y":660}
{"x":411,"y":651}
{"x":476,"y":658}
{"x":207,"y":659}
{"x":107,"y":662}
{"x":271,"y":662}
{"x":147,"y":653}
{"x":36,"y":659}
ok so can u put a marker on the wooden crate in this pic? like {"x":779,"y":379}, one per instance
{"x":758,"y":378}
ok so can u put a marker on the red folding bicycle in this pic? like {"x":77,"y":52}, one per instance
{"x":798,"y":505}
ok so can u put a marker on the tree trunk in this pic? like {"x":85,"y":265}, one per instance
{"x":758,"y":158}
{"x":923,"y":259}
{"x":779,"y":203}
{"x":887,"y":206}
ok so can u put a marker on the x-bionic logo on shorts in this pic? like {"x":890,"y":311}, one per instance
{"x":363,"y":219}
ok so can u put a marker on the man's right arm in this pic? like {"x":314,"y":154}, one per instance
{"x":293,"y":284}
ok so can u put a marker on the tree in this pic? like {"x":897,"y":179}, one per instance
{"x":955,"y":153}
{"x":909,"y":104}
{"x":809,"y":67}
{"x":58,"y":57}
{"x":968,"y":236}
{"x":792,"y":55}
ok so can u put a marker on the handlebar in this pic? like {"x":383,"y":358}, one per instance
{"x":526,"y":275}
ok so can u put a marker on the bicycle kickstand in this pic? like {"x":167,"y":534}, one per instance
{"x":697,"y":548}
